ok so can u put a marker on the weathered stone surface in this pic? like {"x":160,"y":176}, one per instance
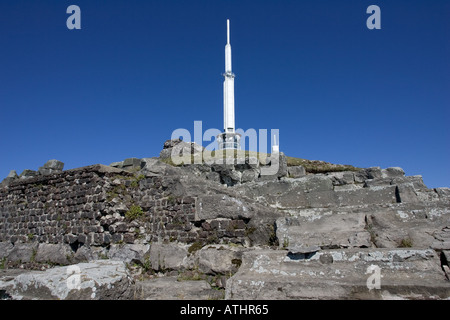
{"x":11,"y":177}
{"x":444,"y":193}
{"x":213,"y":176}
{"x":23,"y":252}
{"x":314,"y":183}
{"x":282,"y":166}
{"x":155,"y":167}
{"x":441,"y":245}
{"x":446,"y":254}
{"x":324,"y":229}
{"x":249,"y":175}
{"x":218,"y":259}
{"x":378,"y":182}
{"x":295,"y":250}
{"x":406,"y":193}
{"x":407,"y":225}
{"x":338,"y":274}
{"x":13,"y":174}
{"x":54,"y":164}
{"x":130,"y":253}
{"x":178,"y":147}
{"x":367,"y":196}
{"x":85,"y":254}
{"x":27,"y":173}
{"x":60,"y":254}
{"x":222,"y":206}
{"x":168,"y":256}
{"x":374,"y":172}
{"x":341,"y":178}
{"x":230,"y":177}
{"x":98,"y":280}
{"x":117,"y":164}
{"x":5,"y":249}
{"x":392,"y":172}
{"x":416,"y":181}
{"x":50,"y":167}
{"x":296,"y":172}
{"x":169,"y":288}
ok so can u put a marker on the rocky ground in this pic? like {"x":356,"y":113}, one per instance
{"x":311,"y":231}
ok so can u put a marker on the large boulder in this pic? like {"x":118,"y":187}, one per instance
{"x":97,"y":280}
{"x":5,"y":249}
{"x":178,"y":147}
{"x":11,"y":177}
{"x":51,"y":166}
{"x":392,"y":172}
{"x":129,"y":253}
{"x":223,"y":206}
{"x":60,"y":254}
{"x":155,"y":167}
{"x":23,"y":252}
{"x":219,"y":259}
{"x":296,"y":172}
{"x":168,"y":256}
{"x":28,"y":173}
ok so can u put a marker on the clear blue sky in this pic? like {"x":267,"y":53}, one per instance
{"x":137,"y":70}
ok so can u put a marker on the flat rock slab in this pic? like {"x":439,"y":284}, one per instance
{"x":339,"y":274}
{"x":169,"y":288}
{"x":97,"y":280}
{"x":323,"y":228}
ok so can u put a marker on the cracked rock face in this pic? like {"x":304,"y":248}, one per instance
{"x":339,"y":274}
{"x":97,"y":280}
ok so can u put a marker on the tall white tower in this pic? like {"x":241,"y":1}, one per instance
{"x":229,"y":139}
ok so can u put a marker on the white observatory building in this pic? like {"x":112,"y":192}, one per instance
{"x":229,"y":139}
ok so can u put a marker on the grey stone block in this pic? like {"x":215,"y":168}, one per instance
{"x":54,"y":165}
{"x":392,"y":172}
{"x":11,"y":177}
{"x":367,"y":196}
{"x":97,"y":280}
{"x":315,"y":183}
{"x":321,"y":199}
{"x":117,"y":164}
{"x":167,"y":256}
{"x":296,"y":172}
{"x":132,"y":162}
{"x":54,"y":253}
{"x":249,"y":175}
{"x":374,"y":172}
{"x":27,"y":173}
{"x":13,"y":174}
{"x":213,"y":176}
{"x":406,"y":193}
{"x":377,"y":182}
{"x":416,"y":181}
{"x":22,"y":252}
{"x":5,"y":249}
{"x":129,"y":253}
{"x":222,"y":206}
{"x":443,"y":193}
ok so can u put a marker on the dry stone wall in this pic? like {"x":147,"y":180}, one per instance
{"x":100,"y":206}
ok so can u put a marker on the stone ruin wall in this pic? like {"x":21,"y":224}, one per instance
{"x":91,"y":206}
